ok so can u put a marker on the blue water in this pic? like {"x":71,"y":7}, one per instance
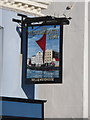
{"x":42,"y":74}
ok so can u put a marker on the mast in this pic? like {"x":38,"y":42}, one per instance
{"x":43,"y":56}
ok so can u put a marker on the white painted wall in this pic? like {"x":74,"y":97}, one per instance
{"x":89,"y":58}
{"x":85,"y":80}
{"x":1,"y":41}
{"x":1,"y":55}
{"x":10,"y":83}
{"x":66,"y":100}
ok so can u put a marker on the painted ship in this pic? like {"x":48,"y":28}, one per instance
{"x":45,"y":66}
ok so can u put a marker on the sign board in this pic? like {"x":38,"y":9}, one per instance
{"x":44,"y":54}
{"x":42,"y":49}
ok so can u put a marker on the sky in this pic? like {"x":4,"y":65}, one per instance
{"x":53,"y":44}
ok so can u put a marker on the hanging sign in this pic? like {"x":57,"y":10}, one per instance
{"x":42,"y":48}
{"x":44,"y":54}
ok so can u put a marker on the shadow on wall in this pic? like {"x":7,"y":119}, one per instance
{"x":27,"y":88}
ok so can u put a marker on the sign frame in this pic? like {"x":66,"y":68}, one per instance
{"x":55,"y":80}
{"x":25,"y":24}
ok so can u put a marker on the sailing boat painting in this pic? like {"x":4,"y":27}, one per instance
{"x":43,"y":53}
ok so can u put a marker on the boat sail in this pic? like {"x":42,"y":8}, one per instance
{"x":42,"y":44}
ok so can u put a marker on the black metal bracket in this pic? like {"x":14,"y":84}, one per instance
{"x":47,"y":20}
{"x":43,"y":20}
{"x":20,"y":22}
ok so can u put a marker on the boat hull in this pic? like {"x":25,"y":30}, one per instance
{"x":44,"y":68}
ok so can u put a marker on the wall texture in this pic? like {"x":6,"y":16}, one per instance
{"x":88,"y":51}
{"x":1,"y":54}
{"x":10,"y":82}
{"x":66,"y":100}
{"x":63,"y":100}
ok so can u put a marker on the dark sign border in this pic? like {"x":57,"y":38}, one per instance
{"x":24,"y":22}
{"x":46,"y":20}
{"x":56,"y":80}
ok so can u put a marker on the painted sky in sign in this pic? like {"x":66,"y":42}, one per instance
{"x":33,"y":47}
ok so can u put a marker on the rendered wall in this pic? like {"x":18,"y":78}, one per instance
{"x":66,"y":100}
{"x":89,"y":55}
{"x":10,"y":84}
{"x":1,"y":55}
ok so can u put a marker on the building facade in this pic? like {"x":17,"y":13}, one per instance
{"x":48,"y":56}
{"x":51,"y":56}
{"x":66,"y":100}
{"x":39,"y":58}
{"x":33,"y":59}
{"x":11,"y":85}
{"x":28,"y":61}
